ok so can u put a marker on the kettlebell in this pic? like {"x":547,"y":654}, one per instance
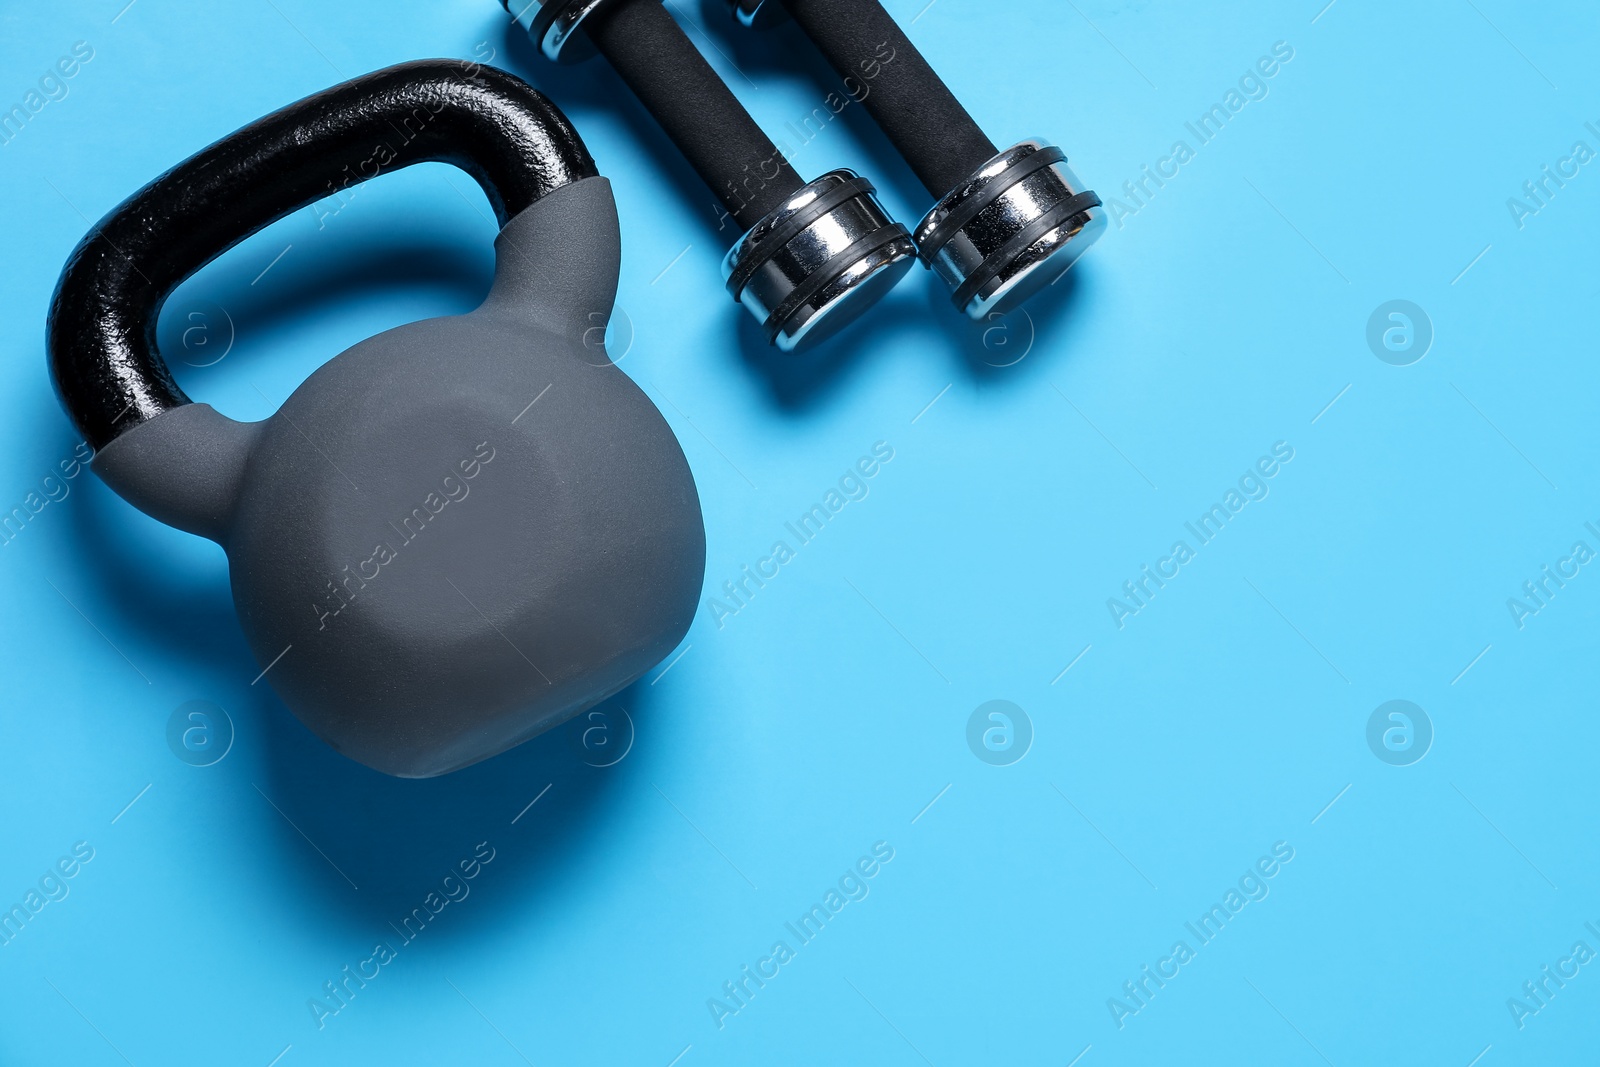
{"x":456,"y":534}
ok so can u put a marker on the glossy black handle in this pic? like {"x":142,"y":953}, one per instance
{"x":101,"y":329}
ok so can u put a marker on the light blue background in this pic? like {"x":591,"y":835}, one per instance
{"x":1221,"y":318}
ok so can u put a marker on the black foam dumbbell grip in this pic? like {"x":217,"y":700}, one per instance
{"x":911,"y":103}
{"x":694,"y":106}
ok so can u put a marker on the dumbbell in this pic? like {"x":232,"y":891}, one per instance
{"x":1004,"y":224}
{"x":456,"y":534}
{"x":813,"y":255}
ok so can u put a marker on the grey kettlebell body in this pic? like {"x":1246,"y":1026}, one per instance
{"x":458,"y":533}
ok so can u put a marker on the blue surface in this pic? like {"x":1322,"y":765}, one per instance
{"x":1225,"y":316}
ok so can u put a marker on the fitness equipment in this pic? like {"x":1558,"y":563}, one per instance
{"x":1005,"y":224}
{"x":814,"y":255}
{"x":456,"y":534}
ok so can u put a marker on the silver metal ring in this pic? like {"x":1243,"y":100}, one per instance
{"x":805,"y":285}
{"x":1017,"y":201}
{"x":553,"y":25}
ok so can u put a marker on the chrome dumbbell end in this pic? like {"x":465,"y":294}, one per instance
{"x":818,"y":260}
{"x":1006,"y":224}
{"x":1014,"y":227}
{"x":553,"y":25}
{"x":818,"y":253}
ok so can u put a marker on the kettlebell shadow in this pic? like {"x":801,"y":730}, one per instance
{"x":382,"y":845}
{"x":187,"y":611}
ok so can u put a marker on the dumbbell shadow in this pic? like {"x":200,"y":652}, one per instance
{"x":1007,"y":350}
{"x":918,"y":308}
{"x":1004,"y":348}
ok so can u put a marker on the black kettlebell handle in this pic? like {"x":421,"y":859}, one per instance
{"x":102,"y":324}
